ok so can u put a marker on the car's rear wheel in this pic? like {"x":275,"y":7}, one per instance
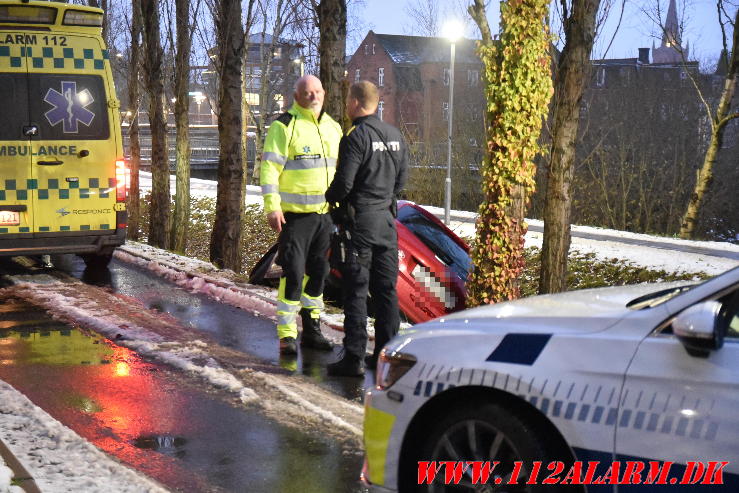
{"x":486,"y":432}
{"x":266,"y":272}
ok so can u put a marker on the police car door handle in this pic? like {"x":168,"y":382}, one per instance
{"x":49,"y":163}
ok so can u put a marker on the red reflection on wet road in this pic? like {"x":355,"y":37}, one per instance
{"x":106,"y":394}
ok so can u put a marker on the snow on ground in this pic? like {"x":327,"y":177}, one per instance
{"x":650,"y":253}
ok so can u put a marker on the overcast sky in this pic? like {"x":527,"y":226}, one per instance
{"x":701,"y":28}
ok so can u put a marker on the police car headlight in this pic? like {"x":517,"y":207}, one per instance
{"x":391,"y":367}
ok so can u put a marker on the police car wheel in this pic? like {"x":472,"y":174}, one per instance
{"x":488,"y":432}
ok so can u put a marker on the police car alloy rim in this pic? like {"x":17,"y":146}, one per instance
{"x":473,"y":439}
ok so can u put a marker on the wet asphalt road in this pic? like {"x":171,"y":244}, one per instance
{"x":152,"y":418}
{"x":228,"y":325}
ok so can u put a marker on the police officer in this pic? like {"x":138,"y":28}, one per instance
{"x":373,"y":163}
{"x":298,"y":164}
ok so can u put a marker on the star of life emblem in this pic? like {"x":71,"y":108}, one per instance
{"x":306,"y":149}
{"x":69,"y":107}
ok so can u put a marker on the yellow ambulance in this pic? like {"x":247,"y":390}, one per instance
{"x":63,"y":180}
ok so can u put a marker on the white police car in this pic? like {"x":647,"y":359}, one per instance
{"x":634,"y":373}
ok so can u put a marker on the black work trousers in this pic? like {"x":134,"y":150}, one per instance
{"x":302,"y":251}
{"x":372,"y":267}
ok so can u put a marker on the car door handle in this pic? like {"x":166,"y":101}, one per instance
{"x":50,"y":163}
{"x":14,"y":208}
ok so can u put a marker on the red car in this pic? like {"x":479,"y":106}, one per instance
{"x":433,"y":266}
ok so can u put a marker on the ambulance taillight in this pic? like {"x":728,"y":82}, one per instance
{"x":122,"y":180}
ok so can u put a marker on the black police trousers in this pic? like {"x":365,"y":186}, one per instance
{"x":372,"y":266}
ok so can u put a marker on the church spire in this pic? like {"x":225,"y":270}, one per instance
{"x":671,"y":35}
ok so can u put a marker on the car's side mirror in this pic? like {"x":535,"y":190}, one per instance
{"x":699,"y":328}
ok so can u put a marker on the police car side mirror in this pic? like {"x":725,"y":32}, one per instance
{"x":698,"y":328}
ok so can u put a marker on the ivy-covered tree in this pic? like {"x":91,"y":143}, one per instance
{"x":518,"y":88}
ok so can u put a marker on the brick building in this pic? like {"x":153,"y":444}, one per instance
{"x":412,"y":73}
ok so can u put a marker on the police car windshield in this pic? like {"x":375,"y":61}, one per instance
{"x":434,"y":237}
{"x":69,"y":107}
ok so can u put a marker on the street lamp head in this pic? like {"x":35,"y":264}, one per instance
{"x":453,"y":30}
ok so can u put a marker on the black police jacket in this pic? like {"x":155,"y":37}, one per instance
{"x":372,"y":166}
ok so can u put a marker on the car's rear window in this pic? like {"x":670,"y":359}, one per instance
{"x":63,"y":106}
{"x":438,"y":241}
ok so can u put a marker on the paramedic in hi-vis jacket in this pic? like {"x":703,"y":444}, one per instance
{"x":298,"y":164}
{"x":373,"y":163}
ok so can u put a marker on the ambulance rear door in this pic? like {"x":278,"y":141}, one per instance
{"x":75,"y":150}
{"x":16,"y":211}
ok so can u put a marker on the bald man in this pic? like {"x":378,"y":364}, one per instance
{"x":298,"y":164}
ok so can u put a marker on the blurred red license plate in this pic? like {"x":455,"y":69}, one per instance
{"x":10,"y":218}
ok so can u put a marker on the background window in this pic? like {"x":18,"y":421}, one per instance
{"x":380,"y":109}
{"x":445,"y":76}
{"x":445,"y":111}
{"x":356,"y":75}
{"x":381,"y":77}
{"x":473,"y":77}
{"x":600,"y":78}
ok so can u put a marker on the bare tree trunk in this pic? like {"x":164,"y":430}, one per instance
{"x":245,"y":111}
{"x":106,"y":21}
{"x":225,"y":240}
{"x":181,"y":219}
{"x":134,"y":96}
{"x":718,"y":124}
{"x":267,"y":85}
{"x":245,"y":130}
{"x":572,"y":75}
{"x":332,"y":50}
{"x":160,"y":197}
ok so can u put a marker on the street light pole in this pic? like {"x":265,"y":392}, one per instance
{"x":448,"y":181}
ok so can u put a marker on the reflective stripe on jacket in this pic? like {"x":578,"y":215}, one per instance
{"x":299,"y":161}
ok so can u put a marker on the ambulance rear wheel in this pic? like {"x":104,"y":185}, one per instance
{"x":97,"y":260}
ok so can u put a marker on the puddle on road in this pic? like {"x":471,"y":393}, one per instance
{"x":149,"y":418}
{"x":230,"y":326}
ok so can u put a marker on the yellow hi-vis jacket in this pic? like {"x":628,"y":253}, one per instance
{"x":299,"y":161}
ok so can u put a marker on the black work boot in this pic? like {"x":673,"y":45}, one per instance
{"x":312,"y":336}
{"x":347,"y":366}
{"x":287,"y":346}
